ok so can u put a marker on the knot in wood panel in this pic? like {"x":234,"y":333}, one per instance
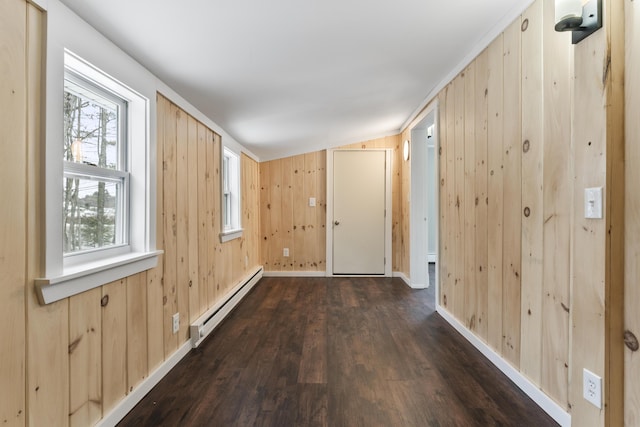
{"x":631,"y":341}
{"x":525,"y":146}
{"x":527,"y":212}
{"x":104,"y":301}
{"x":525,"y":25}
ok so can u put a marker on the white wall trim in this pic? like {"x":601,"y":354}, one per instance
{"x":138,"y":393}
{"x":294,"y":274}
{"x":538,"y":396}
{"x":42,"y":4}
{"x":481,"y":45}
{"x":402,"y":276}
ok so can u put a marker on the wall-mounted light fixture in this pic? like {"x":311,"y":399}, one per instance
{"x":430,"y":131}
{"x":581,"y":17}
{"x":405,"y":150}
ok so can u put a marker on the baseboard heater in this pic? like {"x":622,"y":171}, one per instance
{"x":206,"y":323}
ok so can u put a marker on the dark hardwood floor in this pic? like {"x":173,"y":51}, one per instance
{"x":335,"y":352}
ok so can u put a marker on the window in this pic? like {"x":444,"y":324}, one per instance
{"x":231,"y":227}
{"x":98,"y":190}
{"x":96,"y":179}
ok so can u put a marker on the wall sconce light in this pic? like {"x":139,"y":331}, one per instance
{"x":405,"y":150}
{"x":581,"y":17}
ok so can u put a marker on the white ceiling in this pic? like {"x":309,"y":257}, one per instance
{"x":284,"y":77}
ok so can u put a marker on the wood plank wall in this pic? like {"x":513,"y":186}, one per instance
{"x":70,"y":362}
{"x":632,"y":213}
{"x":287,"y":220}
{"x":505,"y":186}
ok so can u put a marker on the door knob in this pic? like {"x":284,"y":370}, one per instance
{"x":336,"y":222}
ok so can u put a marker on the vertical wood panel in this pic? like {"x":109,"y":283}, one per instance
{"x":13,"y":227}
{"x":195,"y":307}
{"x":170,"y":228}
{"x":155,"y":297}
{"x":443,"y":197}
{"x":587,"y":295}
{"x":532,"y":196}
{"x":311,"y":227}
{"x":470,"y":201}
{"x":182,"y":221}
{"x":447,"y":291}
{"x":481,"y":220}
{"x":47,"y":360}
{"x":557,"y":193}
{"x":213,"y":269}
{"x":458,"y":200}
{"x":275,"y":210}
{"x":222,"y":261}
{"x":321,"y":212}
{"x":512,"y":194}
{"x":265,"y":215}
{"x":137,"y":367}
{"x":300,"y":253}
{"x":495,"y":191}
{"x":203,"y":215}
{"x":85,"y":358}
{"x":632,"y":216}
{"x":286,"y":212}
{"x":114,"y":344}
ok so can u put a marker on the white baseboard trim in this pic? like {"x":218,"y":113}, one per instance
{"x":294,"y":274}
{"x":530,"y":389}
{"x":138,"y":393}
{"x":402,"y":276}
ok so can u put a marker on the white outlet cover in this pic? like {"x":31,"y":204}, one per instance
{"x":312,"y":201}
{"x":285,"y":252}
{"x":593,"y":203}
{"x":592,"y":388}
{"x":176,"y":322}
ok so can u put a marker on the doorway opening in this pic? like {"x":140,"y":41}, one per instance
{"x":423,"y":202}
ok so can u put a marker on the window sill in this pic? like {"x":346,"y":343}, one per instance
{"x":78,"y":279}
{"x":228,"y":235}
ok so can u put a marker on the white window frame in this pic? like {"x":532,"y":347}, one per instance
{"x":230,"y":199}
{"x":73,"y":44}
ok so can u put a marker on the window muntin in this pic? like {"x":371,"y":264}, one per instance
{"x":96,"y":179}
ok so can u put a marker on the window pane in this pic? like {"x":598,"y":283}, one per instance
{"x":90,"y":127}
{"x":91,"y":214}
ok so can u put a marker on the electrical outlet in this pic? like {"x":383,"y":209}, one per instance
{"x":312,"y":202}
{"x":285,"y":252}
{"x":592,"y":388}
{"x":176,"y":322}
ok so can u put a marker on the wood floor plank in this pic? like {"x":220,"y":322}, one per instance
{"x":335,"y":352}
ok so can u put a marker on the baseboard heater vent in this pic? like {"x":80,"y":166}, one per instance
{"x":206,"y":323}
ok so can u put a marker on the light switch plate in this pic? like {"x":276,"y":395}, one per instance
{"x":593,"y":203}
{"x":312,"y":201}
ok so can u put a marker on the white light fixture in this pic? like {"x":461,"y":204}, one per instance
{"x":581,"y":17}
{"x":430,"y":131}
{"x":76,"y":151}
{"x":405,"y":150}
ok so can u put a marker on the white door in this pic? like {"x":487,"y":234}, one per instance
{"x":359,"y":179}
